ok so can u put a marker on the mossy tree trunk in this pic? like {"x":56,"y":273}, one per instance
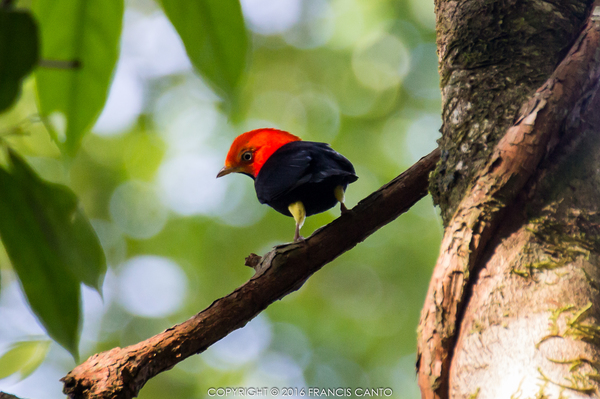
{"x":513,"y":309}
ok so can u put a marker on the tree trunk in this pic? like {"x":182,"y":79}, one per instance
{"x":513,"y":306}
{"x":493,"y":55}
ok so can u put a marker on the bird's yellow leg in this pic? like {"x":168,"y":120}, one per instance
{"x":299,"y":213}
{"x":340,"y":195}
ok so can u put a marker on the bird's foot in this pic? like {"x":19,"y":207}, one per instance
{"x":343,"y":208}
{"x":298,"y":238}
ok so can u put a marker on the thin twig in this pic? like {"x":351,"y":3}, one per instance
{"x":6,"y":4}
{"x":59,"y":64}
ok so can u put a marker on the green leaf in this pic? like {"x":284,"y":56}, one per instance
{"x":80,"y":47}
{"x":23,"y":357}
{"x":215,"y":39}
{"x":18,"y":53}
{"x":52,"y":247}
{"x":68,"y":232}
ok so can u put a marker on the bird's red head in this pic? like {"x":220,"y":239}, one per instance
{"x":250,"y":150}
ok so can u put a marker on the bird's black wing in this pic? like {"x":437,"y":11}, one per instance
{"x":329,"y":163}
{"x":282,"y":172}
{"x":298,"y":163}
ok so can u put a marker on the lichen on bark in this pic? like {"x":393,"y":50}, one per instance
{"x":517,"y":189}
{"x":493,"y":54}
{"x":535,"y":305}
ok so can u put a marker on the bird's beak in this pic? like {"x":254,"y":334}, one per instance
{"x":227,"y":170}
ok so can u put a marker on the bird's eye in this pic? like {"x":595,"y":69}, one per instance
{"x":247,"y":156}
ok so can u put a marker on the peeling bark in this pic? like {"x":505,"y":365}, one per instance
{"x":535,"y":306}
{"x":493,"y":55}
{"x":512,"y":308}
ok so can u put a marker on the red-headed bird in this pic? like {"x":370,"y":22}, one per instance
{"x":294,"y":177}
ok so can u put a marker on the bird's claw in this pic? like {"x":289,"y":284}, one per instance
{"x":343,"y":208}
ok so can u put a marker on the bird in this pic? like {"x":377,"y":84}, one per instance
{"x":296,"y":178}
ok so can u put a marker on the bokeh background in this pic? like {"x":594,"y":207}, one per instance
{"x":359,"y":74}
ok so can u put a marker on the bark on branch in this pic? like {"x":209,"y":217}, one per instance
{"x":537,"y":134}
{"x":122,"y":372}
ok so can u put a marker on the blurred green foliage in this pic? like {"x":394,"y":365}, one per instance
{"x":215,"y":39}
{"x":52,"y":246}
{"x":18,"y":52}
{"x":23,"y":358}
{"x":80,"y":48}
{"x":359,"y":74}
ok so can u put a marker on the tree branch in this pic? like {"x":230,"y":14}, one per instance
{"x":122,"y":372}
{"x":538,"y":133}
